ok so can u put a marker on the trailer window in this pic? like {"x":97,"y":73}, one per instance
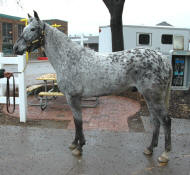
{"x":167,"y":39}
{"x":178,"y":42}
{"x":143,"y":39}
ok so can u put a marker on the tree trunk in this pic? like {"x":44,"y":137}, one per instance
{"x":115,"y":8}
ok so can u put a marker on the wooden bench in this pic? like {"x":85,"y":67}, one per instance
{"x":44,"y":98}
{"x":30,"y":89}
{"x":44,"y":101}
{"x":51,"y":94}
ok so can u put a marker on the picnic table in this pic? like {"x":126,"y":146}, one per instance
{"x":54,"y":92}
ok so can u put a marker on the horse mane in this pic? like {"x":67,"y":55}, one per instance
{"x":63,"y":37}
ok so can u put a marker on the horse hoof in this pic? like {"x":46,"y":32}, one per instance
{"x":147,"y":152}
{"x":76,"y":152}
{"x":72,"y":146}
{"x":163,"y":158}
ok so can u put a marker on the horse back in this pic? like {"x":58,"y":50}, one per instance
{"x":115,"y":72}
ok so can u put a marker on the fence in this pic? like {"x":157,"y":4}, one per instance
{"x":21,"y":100}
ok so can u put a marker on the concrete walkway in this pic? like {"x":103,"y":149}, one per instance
{"x":31,"y":151}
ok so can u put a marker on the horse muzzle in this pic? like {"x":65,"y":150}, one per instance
{"x":17,"y":51}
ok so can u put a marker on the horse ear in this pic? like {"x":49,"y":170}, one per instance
{"x":36,"y":15}
{"x":29,"y":16}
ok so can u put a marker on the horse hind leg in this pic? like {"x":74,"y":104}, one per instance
{"x":166,"y":123}
{"x":156,"y":130}
{"x":155,"y":99}
{"x":79,"y":140}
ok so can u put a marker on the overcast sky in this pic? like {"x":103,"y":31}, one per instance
{"x":85,"y":16}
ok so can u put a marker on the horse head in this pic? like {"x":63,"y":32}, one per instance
{"x":32,"y":36}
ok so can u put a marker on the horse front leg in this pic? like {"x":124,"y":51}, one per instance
{"x":79,"y":141}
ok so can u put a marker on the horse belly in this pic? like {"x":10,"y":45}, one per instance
{"x":104,"y":86}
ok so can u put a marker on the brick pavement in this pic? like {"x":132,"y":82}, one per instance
{"x":111,"y":114}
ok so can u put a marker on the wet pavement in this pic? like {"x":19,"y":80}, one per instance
{"x":32,"y":151}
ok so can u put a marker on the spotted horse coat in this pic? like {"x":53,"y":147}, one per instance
{"x":82,"y":72}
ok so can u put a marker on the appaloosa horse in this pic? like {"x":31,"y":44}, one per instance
{"x":82,"y":72}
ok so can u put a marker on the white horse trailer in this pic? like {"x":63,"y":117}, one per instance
{"x":171,"y":41}
{"x":160,"y":38}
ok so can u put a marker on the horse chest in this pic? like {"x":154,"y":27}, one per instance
{"x":68,"y":83}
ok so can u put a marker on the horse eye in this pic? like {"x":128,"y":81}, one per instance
{"x":33,"y":29}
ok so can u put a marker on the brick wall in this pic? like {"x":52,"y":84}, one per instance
{"x":63,"y":27}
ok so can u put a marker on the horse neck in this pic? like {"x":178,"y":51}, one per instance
{"x":58,"y":48}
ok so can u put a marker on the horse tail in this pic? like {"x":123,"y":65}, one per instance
{"x":168,"y":90}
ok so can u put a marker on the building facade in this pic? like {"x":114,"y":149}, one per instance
{"x":11,"y":28}
{"x":59,"y":24}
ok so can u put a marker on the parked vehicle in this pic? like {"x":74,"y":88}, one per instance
{"x":162,"y":38}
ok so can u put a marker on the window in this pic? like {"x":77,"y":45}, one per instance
{"x":7,"y":49}
{"x":167,"y":39}
{"x":7,"y":33}
{"x":178,"y":42}
{"x":20,"y":29}
{"x":143,"y":39}
{"x":7,"y":36}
